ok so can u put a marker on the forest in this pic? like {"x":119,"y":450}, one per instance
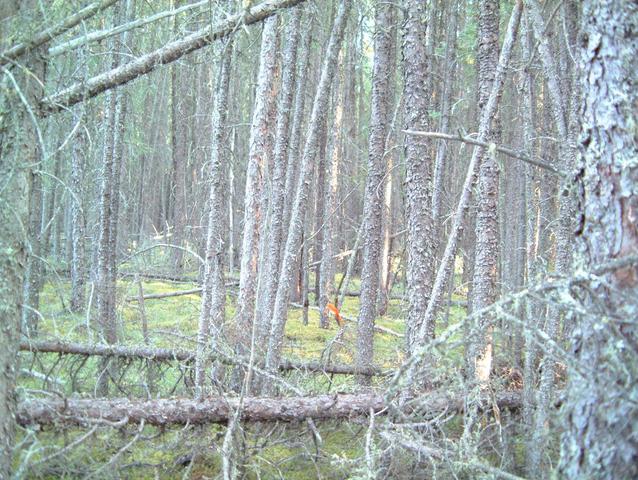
{"x":333,"y":239}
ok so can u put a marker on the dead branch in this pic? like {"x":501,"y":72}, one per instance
{"x":165,"y":354}
{"x":82,"y":91}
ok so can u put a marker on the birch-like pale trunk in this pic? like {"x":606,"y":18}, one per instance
{"x":293,"y":242}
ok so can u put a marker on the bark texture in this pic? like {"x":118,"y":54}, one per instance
{"x":418,"y":191}
{"x":293,"y":242}
{"x":18,"y":154}
{"x":258,"y":158}
{"x":213,"y":306}
{"x":484,"y":288}
{"x":601,"y":412}
{"x":221,"y":409}
{"x":383,"y":72}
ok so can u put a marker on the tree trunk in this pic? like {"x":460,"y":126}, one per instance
{"x":418,"y":194}
{"x":19,"y":153}
{"x":278,"y":192}
{"x":258,"y":159}
{"x":328,"y":263}
{"x":601,"y":412}
{"x":78,"y":262}
{"x":213,"y":305}
{"x":293,"y":242}
{"x":167,"y":412}
{"x":486,"y":253}
{"x":383,"y":73}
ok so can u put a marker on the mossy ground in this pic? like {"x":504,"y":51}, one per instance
{"x":290,"y":451}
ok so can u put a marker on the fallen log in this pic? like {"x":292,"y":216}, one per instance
{"x":165,"y":354}
{"x":182,"y":411}
{"x":155,"y":296}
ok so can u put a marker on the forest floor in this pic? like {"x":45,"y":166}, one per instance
{"x":275,"y":451}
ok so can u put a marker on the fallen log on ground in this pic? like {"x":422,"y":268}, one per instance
{"x":181,"y":411}
{"x":165,"y":354}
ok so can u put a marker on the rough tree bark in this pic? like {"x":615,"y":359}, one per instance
{"x":418,"y":192}
{"x":601,"y":412}
{"x":82,"y":91}
{"x":258,"y":159}
{"x":280,"y":160}
{"x":166,"y":412}
{"x":213,"y":306}
{"x":78,"y":262}
{"x":328,"y":263}
{"x":293,"y":242}
{"x":18,"y":154}
{"x":383,"y":73}
{"x":486,"y":253}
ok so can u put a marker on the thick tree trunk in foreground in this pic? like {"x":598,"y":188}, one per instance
{"x":601,"y":412}
{"x":420,"y":264}
{"x":18,"y":154}
{"x":383,"y":73}
{"x":220,"y":409}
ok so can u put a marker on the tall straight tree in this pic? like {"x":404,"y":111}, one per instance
{"x":213,"y":306}
{"x":298,"y":215}
{"x":420,"y":264}
{"x":258,"y":159}
{"x":278,"y":192}
{"x":114,"y":122}
{"x":484,"y":282}
{"x":331,"y":190}
{"x":19,"y":152}
{"x":601,"y":411}
{"x":380,"y":117}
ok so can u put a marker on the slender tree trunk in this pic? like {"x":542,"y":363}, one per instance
{"x":601,"y":413}
{"x":383,"y":73}
{"x":258,"y":160}
{"x":293,"y":242}
{"x":278,"y":192}
{"x":486,"y":255}
{"x":328,"y":263}
{"x":78,"y":262}
{"x":109,"y":208}
{"x":212,"y":310}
